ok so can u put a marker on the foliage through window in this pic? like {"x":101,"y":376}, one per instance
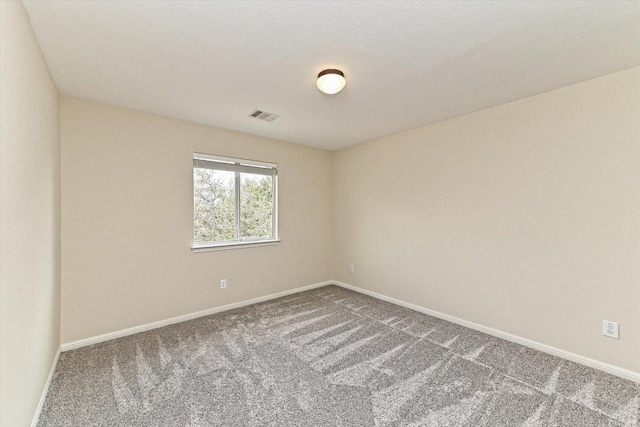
{"x":234,"y":200}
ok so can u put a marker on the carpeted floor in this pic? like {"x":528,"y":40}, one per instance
{"x":328,"y":357}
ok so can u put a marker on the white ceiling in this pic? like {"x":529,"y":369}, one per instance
{"x":407,"y":64}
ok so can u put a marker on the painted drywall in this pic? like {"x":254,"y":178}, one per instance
{"x":407,"y":63}
{"x":29,"y":218}
{"x":522,"y":217}
{"x":127,"y":220}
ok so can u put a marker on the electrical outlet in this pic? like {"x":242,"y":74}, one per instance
{"x":609,"y":329}
{"x":223,"y":283}
{"x":351,"y":268}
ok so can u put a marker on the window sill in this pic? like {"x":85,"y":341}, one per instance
{"x":234,"y":245}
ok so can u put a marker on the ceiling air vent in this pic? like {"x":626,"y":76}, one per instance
{"x":263,"y":115}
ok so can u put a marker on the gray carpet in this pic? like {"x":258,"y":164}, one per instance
{"x":328,"y":357}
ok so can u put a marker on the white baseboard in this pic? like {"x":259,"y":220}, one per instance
{"x":592,"y":363}
{"x":142,"y":328}
{"x":36,"y":417}
{"x":611,"y":369}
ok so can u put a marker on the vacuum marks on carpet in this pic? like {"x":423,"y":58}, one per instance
{"x":328,"y":357}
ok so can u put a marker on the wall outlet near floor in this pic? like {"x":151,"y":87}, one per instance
{"x":351,"y":268}
{"x":609,"y":329}
{"x":223,"y":283}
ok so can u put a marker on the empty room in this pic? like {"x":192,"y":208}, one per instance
{"x":319,"y":213}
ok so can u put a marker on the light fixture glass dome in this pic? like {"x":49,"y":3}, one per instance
{"x":331,"y":81}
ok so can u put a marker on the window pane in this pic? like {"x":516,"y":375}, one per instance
{"x":256,"y":205}
{"x":214,"y":205}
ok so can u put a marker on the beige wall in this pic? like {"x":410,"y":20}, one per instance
{"x":127,"y":220}
{"x":29,"y":218}
{"x":524,"y":217}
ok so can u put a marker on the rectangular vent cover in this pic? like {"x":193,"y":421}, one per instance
{"x":263,"y":115}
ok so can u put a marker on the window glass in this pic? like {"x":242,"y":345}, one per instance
{"x":234,"y":200}
{"x":256,"y":206}
{"x":214,"y":205}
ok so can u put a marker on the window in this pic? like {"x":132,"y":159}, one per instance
{"x":234,"y":201}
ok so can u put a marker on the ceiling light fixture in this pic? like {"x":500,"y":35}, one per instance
{"x":331,"y":81}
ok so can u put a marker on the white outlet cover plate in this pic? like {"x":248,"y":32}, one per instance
{"x":609,"y":329}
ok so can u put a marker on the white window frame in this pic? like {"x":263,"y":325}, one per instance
{"x":238,"y":165}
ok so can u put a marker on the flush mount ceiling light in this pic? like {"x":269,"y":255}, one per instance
{"x":331,"y":81}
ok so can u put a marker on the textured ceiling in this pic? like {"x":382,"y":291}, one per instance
{"x":407,"y":64}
